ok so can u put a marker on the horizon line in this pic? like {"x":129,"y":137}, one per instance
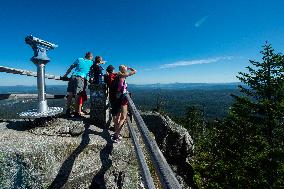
{"x":233,"y":82}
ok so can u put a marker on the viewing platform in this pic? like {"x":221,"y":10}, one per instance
{"x":37,"y":157}
{"x":48,"y":149}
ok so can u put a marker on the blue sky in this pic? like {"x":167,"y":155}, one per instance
{"x":165,"y":40}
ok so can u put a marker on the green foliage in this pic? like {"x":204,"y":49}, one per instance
{"x":194,"y":122}
{"x":246,"y":150}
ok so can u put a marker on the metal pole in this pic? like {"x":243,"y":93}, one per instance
{"x":146,"y":175}
{"x":42,"y":103}
{"x":165,"y":173}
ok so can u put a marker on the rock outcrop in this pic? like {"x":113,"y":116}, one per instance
{"x":175,"y":143}
{"x":74,"y":153}
{"x":58,"y":156}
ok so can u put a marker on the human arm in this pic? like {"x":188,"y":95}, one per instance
{"x":71,"y":68}
{"x":132,"y":72}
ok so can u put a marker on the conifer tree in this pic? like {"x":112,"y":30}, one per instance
{"x":257,"y":116}
{"x":246,"y":150}
{"x":263,"y":99}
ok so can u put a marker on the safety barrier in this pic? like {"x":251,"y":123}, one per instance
{"x":165,"y":173}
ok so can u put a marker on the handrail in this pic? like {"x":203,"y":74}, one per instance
{"x":29,"y":73}
{"x":28,"y":96}
{"x":146,"y":175}
{"x":165,"y":173}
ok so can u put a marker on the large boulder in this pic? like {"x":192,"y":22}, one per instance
{"x":175,"y":143}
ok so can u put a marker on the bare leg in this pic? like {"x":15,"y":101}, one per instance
{"x":123,"y":116}
{"x":116,"y":121}
{"x":113,"y":120}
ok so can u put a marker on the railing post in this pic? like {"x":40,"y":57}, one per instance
{"x":42,"y":103}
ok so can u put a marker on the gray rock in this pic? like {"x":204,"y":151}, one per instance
{"x":175,"y":143}
{"x":33,"y":160}
{"x":73,"y":153}
{"x":59,"y":127}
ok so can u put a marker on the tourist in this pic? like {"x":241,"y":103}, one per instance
{"x":78,"y":82}
{"x":122,"y":101}
{"x":110,"y":79}
{"x":96,"y":71}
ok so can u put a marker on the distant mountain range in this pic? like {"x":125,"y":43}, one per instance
{"x":189,"y":86}
{"x":61,"y":89}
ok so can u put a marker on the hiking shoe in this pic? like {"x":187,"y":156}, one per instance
{"x":77,"y":115}
{"x":115,"y":140}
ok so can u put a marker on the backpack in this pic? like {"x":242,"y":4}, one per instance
{"x":96,"y":73}
{"x":112,"y":81}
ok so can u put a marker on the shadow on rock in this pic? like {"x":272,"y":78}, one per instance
{"x":66,"y":168}
{"x":99,"y":181}
{"x":22,"y":125}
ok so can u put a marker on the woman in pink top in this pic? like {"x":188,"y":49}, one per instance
{"x":122,"y":102}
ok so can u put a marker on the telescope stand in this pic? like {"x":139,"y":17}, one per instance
{"x":40,"y":59}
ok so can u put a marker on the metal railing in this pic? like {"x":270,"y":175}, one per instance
{"x":28,"y":96}
{"x":146,"y":175}
{"x":29,"y":73}
{"x":165,"y":173}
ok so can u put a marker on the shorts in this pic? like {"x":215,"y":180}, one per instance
{"x":123,"y":100}
{"x":117,"y":103}
{"x":76,"y":85}
{"x":83,"y":97}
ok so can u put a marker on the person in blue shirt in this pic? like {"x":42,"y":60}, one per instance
{"x":78,"y":82}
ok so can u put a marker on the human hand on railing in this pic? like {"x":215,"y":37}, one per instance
{"x":64,"y":78}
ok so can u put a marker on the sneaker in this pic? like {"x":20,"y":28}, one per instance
{"x":68,"y":111}
{"x":119,"y":136}
{"x":115,"y":140}
{"x":77,"y":115}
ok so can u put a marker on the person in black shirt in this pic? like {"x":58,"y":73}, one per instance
{"x":96,"y":71}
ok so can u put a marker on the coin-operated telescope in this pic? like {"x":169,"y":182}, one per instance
{"x":40,"y":59}
{"x":40,"y":47}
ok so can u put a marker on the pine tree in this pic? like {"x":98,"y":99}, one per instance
{"x":264,"y":91}
{"x":258,"y":116}
{"x":246,"y":150}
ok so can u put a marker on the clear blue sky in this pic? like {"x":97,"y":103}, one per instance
{"x":165,"y":40}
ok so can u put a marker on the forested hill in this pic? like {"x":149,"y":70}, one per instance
{"x":173,"y":99}
{"x":61,"y":89}
{"x":188,"y":86}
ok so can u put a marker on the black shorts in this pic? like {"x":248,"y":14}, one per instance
{"x":117,"y":103}
{"x":76,"y":85}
